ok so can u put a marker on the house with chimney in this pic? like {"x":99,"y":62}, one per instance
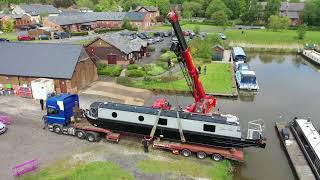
{"x":151,"y":11}
{"x":35,"y":10}
{"x":292,"y":11}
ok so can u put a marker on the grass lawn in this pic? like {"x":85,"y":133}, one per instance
{"x":11,"y":36}
{"x":94,"y":170}
{"x":218,"y":80}
{"x":203,"y":27}
{"x":189,"y":167}
{"x":271,"y":37}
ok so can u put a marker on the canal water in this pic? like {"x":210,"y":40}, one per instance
{"x":289,"y":87}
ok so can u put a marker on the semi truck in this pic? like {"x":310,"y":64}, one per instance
{"x":64,"y":116}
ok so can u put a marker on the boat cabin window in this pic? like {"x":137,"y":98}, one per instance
{"x":52,"y":111}
{"x":210,"y":128}
{"x":162,"y":121}
{"x":114,"y":114}
{"x":248,"y":79}
{"x":141,"y":118}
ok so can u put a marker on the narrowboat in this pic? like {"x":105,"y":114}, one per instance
{"x":213,"y":130}
{"x":238,"y":54}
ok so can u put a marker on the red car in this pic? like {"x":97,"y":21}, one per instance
{"x":25,"y":38}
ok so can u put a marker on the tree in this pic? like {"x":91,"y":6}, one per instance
{"x":197,"y":30}
{"x":43,"y":15}
{"x":301,"y":31}
{"x":8,"y":26}
{"x":278,"y":23}
{"x":62,"y":3}
{"x":220,"y":18}
{"x":191,"y":9}
{"x":311,"y":13}
{"x":237,"y":7}
{"x":164,"y":6}
{"x":253,"y":13}
{"x":126,"y":24}
{"x":272,"y":8}
{"x":85,"y":3}
{"x":214,"y":6}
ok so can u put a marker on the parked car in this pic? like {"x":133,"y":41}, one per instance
{"x":25,"y":38}
{"x":158,"y":39}
{"x":166,"y":34}
{"x":61,"y":35}
{"x":222,"y":36}
{"x":146,"y":35}
{"x":32,"y":26}
{"x":174,"y":39}
{"x":4,"y":40}
{"x":151,"y":41}
{"x":247,"y":80}
{"x":43,"y":37}
{"x":24,"y":28}
{"x":141,"y":36}
{"x":3,"y":128}
{"x":158,"y":34}
{"x":38,"y":24}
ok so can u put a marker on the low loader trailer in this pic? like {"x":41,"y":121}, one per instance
{"x":65,"y":117}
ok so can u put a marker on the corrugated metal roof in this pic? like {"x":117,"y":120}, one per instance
{"x":39,"y":59}
{"x":37,"y":9}
{"x":96,"y":16}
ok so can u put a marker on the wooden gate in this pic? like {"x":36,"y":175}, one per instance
{"x":112,"y":59}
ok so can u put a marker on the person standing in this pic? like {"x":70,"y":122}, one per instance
{"x":145,"y":145}
{"x":205,"y":70}
{"x":169,"y":63}
{"x":199,"y":69}
{"x":41,"y":104}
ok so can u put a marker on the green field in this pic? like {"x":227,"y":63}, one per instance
{"x":217,"y":80}
{"x":95,"y":170}
{"x":188,"y":167}
{"x":11,"y":36}
{"x":203,"y":27}
{"x":288,"y":37}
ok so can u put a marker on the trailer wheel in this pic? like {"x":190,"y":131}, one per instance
{"x":185,"y":152}
{"x":216,"y":157}
{"x":92,"y":136}
{"x":81,"y":134}
{"x":57,"y":129}
{"x":201,"y":155}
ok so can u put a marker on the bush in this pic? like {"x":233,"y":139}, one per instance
{"x":84,"y":33}
{"x":112,"y":70}
{"x":136,"y":73}
{"x":164,"y":50}
{"x":133,"y":66}
{"x":125,"y":81}
{"x":169,"y":78}
{"x":168,"y":55}
{"x":104,"y":30}
{"x":148,"y":67}
{"x":101,"y":66}
{"x":162,"y":64}
{"x":151,"y":49}
{"x":156,"y":70}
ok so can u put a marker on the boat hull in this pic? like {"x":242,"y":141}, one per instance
{"x":174,"y":135}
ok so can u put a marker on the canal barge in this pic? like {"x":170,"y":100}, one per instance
{"x":212,"y":130}
{"x":308,"y":139}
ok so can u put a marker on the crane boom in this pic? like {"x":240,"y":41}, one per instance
{"x":203,"y":103}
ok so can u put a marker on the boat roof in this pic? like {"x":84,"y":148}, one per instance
{"x":310,"y":133}
{"x":238,"y":51}
{"x":248,"y":72}
{"x":215,"y":118}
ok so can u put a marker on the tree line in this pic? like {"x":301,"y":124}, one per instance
{"x":219,"y":11}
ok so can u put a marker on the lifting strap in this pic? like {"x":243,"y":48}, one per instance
{"x":180,"y":128}
{"x":154,"y":128}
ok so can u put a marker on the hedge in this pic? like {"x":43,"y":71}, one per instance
{"x":151,"y":49}
{"x":133,"y":66}
{"x":84,"y":33}
{"x":112,"y":70}
{"x":104,"y":30}
{"x":136,"y":73}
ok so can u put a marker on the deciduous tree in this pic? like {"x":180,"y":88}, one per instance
{"x":301,"y":31}
{"x":8,"y":26}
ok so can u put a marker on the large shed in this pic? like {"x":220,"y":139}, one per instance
{"x":68,"y":65}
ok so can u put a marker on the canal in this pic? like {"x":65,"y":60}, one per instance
{"x":289,"y":87}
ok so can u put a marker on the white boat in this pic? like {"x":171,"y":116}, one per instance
{"x":246,"y":80}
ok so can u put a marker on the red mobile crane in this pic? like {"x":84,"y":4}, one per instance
{"x":203,"y":103}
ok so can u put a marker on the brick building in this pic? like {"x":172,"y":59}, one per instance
{"x":68,"y":65}
{"x":19,"y":19}
{"x":116,"y":49}
{"x":151,"y":11}
{"x":35,"y":10}
{"x":292,"y":11}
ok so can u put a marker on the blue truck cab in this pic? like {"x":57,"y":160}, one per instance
{"x":60,"y":108}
